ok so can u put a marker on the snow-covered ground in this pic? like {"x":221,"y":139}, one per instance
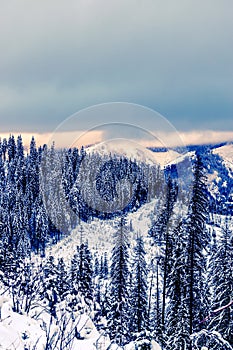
{"x":26,"y":331}
{"x":134,"y":151}
{"x":226,"y":152}
{"x":99,"y":233}
{"x":21,"y":332}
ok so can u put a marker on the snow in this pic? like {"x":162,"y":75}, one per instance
{"x":99,"y":233}
{"x":226,"y":152}
{"x":134,"y":151}
{"x":181,"y":157}
{"x":17,"y":331}
{"x":154,"y":346}
{"x":21,"y":331}
{"x":15,"y":327}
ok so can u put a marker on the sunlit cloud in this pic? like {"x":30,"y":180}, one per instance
{"x":79,"y":138}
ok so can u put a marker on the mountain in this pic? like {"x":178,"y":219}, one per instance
{"x":217,"y":160}
{"x":226,"y":153}
{"x":134,"y":151}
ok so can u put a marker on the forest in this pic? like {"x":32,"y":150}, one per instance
{"x":168,"y":284}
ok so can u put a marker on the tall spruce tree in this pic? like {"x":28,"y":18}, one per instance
{"x":221,"y":277}
{"x":139,"y":309}
{"x":62,"y":282}
{"x":85,"y":274}
{"x":197,"y":243}
{"x":177,"y":322}
{"x":118,"y":316}
{"x":162,"y":234}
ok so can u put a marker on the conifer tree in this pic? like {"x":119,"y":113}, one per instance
{"x":177,"y":322}
{"x":118,"y":317}
{"x":85,"y":272}
{"x":105,"y":265}
{"x":221,"y":277}
{"x":62,"y":284}
{"x":139,"y":308}
{"x":197,"y":237}
{"x":161,"y":231}
{"x":96,"y":267}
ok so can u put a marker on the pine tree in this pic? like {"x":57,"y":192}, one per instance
{"x":118,"y":317}
{"x":74,"y":275}
{"x":221,"y":276}
{"x":139,"y":309}
{"x":177,"y":322}
{"x":105,"y":267}
{"x":11,"y":147}
{"x":197,"y":242}
{"x":4,"y":149}
{"x":97,"y":266}
{"x":62,"y":284}
{"x":101,"y":270}
{"x":85,"y":272}
{"x":49,"y":282}
{"x":161,"y":231}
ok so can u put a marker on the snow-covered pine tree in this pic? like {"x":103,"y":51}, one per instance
{"x":101,"y":270}
{"x":177,"y":322}
{"x":11,"y":147}
{"x":118,"y":316}
{"x":198,"y":238}
{"x":139,"y":293}
{"x":49,"y":282}
{"x":4,"y":149}
{"x":162,"y":233}
{"x":209,"y":340}
{"x":62,"y":283}
{"x":221,"y":276}
{"x":96,"y":266}
{"x":105,"y":267}
{"x":85,"y":272}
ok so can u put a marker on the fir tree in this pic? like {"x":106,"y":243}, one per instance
{"x":197,"y":242}
{"x":96,"y":267}
{"x":221,"y":276}
{"x":161,"y":231}
{"x":62,"y":284}
{"x":177,"y":322}
{"x":139,"y":308}
{"x":118,"y":317}
{"x":85,"y":272}
{"x":105,"y":267}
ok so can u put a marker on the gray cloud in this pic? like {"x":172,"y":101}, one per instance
{"x":58,"y":57}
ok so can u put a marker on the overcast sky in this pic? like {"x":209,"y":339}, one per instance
{"x":59,"y":56}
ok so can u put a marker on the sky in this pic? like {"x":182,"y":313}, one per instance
{"x":174,"y":57}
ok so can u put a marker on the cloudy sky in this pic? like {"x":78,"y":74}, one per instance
{"x":58,"y":57}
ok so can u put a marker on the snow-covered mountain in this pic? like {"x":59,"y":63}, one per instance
{"x":226,"y":153}
{"x":217,"y":159}
{"x":134,"y":151}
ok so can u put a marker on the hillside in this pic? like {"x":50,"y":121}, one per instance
{"x":69,"y":277}
{"x":134,"y":151}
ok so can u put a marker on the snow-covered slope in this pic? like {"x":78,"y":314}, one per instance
{"x":24,"y":332}
{"x":134,"y":151}
{"x":99,"y":233}
{"x":226,"y":152}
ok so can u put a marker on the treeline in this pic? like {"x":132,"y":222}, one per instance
{"x":45,"y":192}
